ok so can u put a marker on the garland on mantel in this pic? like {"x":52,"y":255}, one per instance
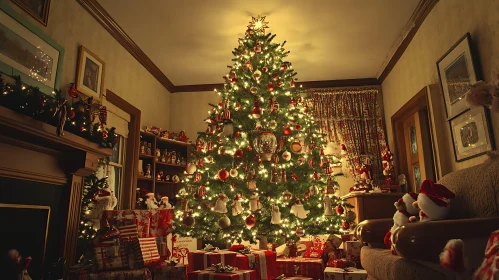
{"x":77,"y":116}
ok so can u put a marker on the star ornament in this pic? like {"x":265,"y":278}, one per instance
{"x":258,"y":24}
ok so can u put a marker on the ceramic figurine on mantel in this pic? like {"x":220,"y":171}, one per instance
{"x":149,"y":149}
{"x":148,"y":171}
{"x":158,"y":154}
{"x":160,"y":176}
{"x":151,"y":202}
{"x":164,"y":155}
{"x":142,"y":147}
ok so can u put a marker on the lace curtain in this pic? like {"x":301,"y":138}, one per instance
{"x":352,"y":117}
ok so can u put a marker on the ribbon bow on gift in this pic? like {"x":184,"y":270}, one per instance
{"x":210,"y":248}
{"x":246,"y":250}
{"x":220,"y":268}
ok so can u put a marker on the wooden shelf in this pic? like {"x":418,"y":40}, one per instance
{"x":170,"y":183}
{"x":169,"y":164}
{"x":175,"y":142}
{"x":145,"y":156}
{"x":144,"y":178}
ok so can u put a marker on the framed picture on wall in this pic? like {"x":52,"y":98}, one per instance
{"x":90,"y":74}
{"x":27,"y":52}
{"x":471,"y":134}
{"x":457,"y":72}
{"x":39,"y":9}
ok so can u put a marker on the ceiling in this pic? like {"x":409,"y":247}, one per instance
{"x":191,"y":41}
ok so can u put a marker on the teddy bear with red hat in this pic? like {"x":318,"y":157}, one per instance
{"x":405,"y":210}
{"x":433,"y":202}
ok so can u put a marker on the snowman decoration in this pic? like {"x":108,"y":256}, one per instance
{"x":433,"y":202}
{"x":151,"y":201}
{"x":254,"y":203}
{"x":236,"y":205}
{"x":165,"y":204}
{"x":221,"y":204}
{"x":276,"y":215}
{"x":405,"y":210}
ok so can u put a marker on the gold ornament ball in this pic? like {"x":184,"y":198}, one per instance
{"x":224,"y":222}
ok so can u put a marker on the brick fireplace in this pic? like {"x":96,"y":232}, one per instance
{"x":41,"y":177}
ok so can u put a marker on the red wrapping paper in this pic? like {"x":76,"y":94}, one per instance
{"x":199,"y":260}
{"x":211,"y":275}
{"x":297,"y":278}
{"x":138,"y":274}
{"x":312,"y":268}
{"x":332,"y":273}
{"x":264,"y":264}
{"x":161,"y":222}
{"x":128,"y":233}
{"x":105,"y":256}
{"x":489,"y":270}
{"x":167,"y":272}
{"x":146,"y":251}
{"x":141,"y":218}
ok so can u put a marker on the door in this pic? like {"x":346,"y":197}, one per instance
{"x":413,"y":142}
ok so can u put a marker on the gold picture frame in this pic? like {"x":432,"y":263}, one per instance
{"x":25,"y":206}
{"x":90,"y":74}
{"x":38,"y":9}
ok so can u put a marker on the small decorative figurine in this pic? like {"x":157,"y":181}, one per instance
{"x":169,"y":157}
{"x":151,"y":202}
{"x":182,"y":137}
{"x":149,"y":149}
{"x":164,"y":204}
{"x":164,"y":156}
{"x":148,"y":171}
{"x":142,"y":147}
{"x":254,"y":203}
{"x":221,"y":204}
{"x":158,"y":154}
{"x":183,"y":161}
{"x":236,"y":205}
{"x":159,"y":176}
{"x":276,"y":215}
{"x":178,"y":161}
{"x":175,"y":179}
{"x":167,"y":178}
{"x":328,"y":206}
{"x":165,"y":134}
{"x":173,"y":158}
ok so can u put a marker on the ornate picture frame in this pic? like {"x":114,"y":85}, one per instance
{"x":457,"y":71}
{"x":29,"y":53}
{"x":90,"y":74}
{"x":471,"y":132}
{"x":38,"y":9}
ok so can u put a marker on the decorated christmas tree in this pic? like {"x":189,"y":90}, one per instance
{"x":259,"y":169}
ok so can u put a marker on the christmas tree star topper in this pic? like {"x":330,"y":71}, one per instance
{"x":258,"y":24}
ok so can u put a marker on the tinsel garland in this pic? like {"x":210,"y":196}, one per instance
{"x":76,"y":116}
{"x":352,"y":117}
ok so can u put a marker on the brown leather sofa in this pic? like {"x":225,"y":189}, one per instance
{"x":474,"y":215}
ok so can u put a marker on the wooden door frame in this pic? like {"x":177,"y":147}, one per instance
{"x":417,"y":103}
{"x":127,"y":199}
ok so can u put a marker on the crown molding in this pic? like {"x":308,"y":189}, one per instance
{"x":102,"y":16}
{"x":422,"y":10}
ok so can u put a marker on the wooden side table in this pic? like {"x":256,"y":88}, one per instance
{"x":372,"y":205}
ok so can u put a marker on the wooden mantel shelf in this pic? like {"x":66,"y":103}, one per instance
{"x":36,"y":132}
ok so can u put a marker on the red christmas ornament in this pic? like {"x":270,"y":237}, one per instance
{"x":223,"y":174}
{"x":292,"y":84}
{"x":104,"y":135}
{"x":294,"y":177}
{"x":258,"y":48}
{"x":305,"y":109}
{"x":293,"y":101}
{"x":345,"y":225}
{"x":201,"y":162}
{"x":233,"y":80}
{"x":220,"y":105}
{"x":284,"y":67}
{"x":316,"y":176}
{"x":270,"y":87}
{"x":239,"y":153}
{"x":322,"y":152}
{"x":256,"y":112}
{"x":249,"y":148}
{"x":250,"y":221}
{"x":340,"y":210}
{"x":287,"y":130}
{"x":306,"y":196}
{"x":298,"y":126}
{"x":237,"y":134}
{"x":71,"y":114}
{"x":202,"y":190}
{"x":249,"y":31}
{"x":275,"y":77}
{"x":72,"y":91}
{"x":279,"y":83}
{"x":265,"y":69}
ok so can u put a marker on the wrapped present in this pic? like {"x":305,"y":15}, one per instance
{"x":161,"y":222}
{"x":141,"y":218}
{"x":333,"y":273}
{"x":128,"y":233}
{"x":297,"y":278}
{"x":489,"y":269}
{"x":110,"y":255}
{"x":138,"y":274}
{"x":352,"y":248}
{"x":239,"y":274}
{"x":312,"y":268}
{"x":146,"y":251}
{"x":340,"y":263}
{"x":203,"y":259}
{"x":313,"y":252}
{"x":355,"y":262}
{"x":165,"y":271}
{"x":303,"y":246}
{"x":181,"y":246}
{"x":263,"y":262}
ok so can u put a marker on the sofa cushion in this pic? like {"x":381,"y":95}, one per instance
{"x":476,"y":189}
{"x":381,"y":264}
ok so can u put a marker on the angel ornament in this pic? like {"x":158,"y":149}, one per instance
{"x":328,"y":206}
{"x":251,"y":179}
{"x":298,"y":210}
{"x":221,"y":204}
{"x":276,"y":215}
{"x":254,"y":203}
{"x":236,"y":205}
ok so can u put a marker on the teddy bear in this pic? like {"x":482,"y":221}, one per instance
{"x":433,"y":202}
{"x":405,"y":210}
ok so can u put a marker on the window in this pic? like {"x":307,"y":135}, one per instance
{"x":116,"y":167}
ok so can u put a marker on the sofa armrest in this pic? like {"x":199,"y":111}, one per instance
{"x":426,"y":240}
{"x":373,"y":231}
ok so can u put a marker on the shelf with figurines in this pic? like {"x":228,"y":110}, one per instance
{"x":162,"y":161}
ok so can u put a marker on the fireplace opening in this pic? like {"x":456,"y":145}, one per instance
{"x":33,"y":222}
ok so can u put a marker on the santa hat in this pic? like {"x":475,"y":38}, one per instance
{"x":150,"y":194}
{"x":406,"y":200}
{"x":439,"y":194}
{"x":164,"y":197}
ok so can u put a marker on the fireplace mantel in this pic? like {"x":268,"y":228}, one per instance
{"x":31,"y":150}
